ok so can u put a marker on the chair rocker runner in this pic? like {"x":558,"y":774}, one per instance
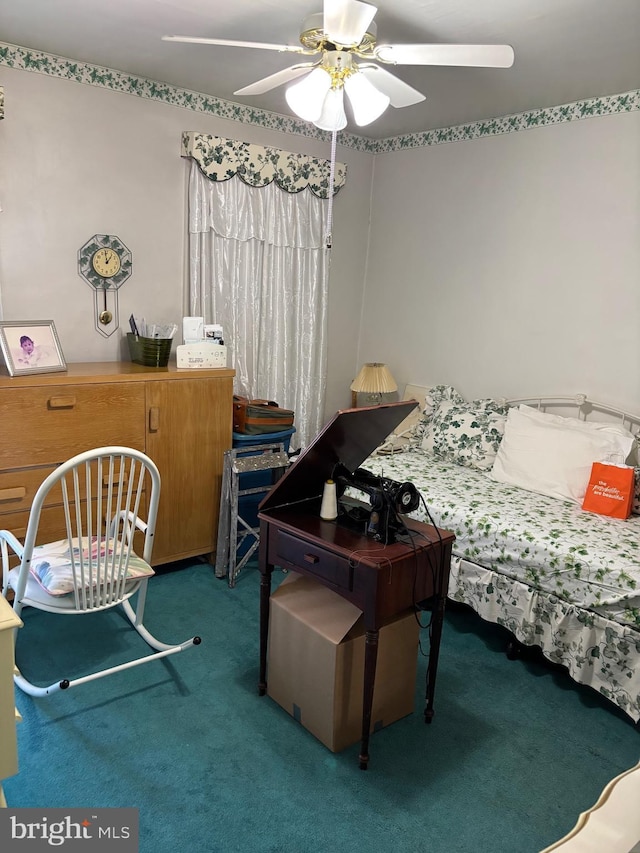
{"x":100,"y":494}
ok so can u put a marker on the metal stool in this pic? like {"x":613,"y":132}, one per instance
{"x":233,"y":530}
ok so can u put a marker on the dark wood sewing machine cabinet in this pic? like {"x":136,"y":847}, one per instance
{"x":381,"y":580}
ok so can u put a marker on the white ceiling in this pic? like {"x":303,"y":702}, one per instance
{"x":566,"y":50}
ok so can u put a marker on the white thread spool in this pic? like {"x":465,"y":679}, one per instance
{"x":329,"y":506}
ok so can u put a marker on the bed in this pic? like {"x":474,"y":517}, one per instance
{"x":554,"y":575}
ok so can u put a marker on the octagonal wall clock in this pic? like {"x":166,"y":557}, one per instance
{"x":105,"y":263}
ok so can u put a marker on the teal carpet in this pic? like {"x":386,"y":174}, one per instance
{"x":515,"y":752}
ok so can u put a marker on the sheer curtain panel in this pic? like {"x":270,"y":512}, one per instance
{"x":259,"y":267}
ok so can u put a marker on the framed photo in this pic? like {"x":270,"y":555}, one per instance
{"x":31,"y":346}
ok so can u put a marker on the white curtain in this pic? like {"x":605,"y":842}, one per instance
{"x":259,"y":267}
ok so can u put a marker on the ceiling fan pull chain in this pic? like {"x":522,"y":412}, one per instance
{"x":332,"y":169}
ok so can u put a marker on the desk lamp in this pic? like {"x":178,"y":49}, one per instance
{"x":374,"y":380}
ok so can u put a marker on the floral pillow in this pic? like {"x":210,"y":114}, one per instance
{"x":468,"y":434}
{"x":433,"y":398}
{"x":52,"y":567}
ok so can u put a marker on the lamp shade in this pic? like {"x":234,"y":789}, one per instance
{"x":374,"y":378}
{"x":367,"y":102}
{"x":307,"y":97}
{"x":333,"y":116}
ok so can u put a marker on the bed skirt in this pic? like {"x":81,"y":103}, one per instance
{"x":596,"y":651}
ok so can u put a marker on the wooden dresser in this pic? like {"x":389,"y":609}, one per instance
{"x":181,"y":418}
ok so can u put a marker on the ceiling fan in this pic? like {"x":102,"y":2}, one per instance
{"x":345,"y":38}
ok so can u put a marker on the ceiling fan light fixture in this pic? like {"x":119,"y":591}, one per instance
{"x":342,"y":32}
{"x":332,"y":116}
{"x":367,"y":102}
{"x":307,"y":97}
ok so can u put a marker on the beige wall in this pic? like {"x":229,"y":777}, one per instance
{"x":78,"y":160}
{"x":510,"y":265}
{"x":506,"y":265}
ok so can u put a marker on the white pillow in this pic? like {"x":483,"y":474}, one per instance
{"x":578,"y":423}
{"x":553,"y":455}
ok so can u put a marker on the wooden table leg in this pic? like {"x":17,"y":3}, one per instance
{"x":434,"y":653}
{"x":266,"y":571}
{"x":370,"y":660}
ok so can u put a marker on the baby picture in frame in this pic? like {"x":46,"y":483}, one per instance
{"x":31,"y":346}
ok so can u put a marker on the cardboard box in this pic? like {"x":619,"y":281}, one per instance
{"x":315,"y":667}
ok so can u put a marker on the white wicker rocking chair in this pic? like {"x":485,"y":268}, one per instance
{"x":101,"y":494}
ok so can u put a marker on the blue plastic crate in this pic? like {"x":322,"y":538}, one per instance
{"x":259,"y":478}
{"x":242,"y":440}
{"x":248,"y":504}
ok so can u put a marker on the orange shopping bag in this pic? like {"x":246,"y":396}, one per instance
{"x":610,"y":490}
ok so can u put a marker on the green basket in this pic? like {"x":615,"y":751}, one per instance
{"x":152,"y":352}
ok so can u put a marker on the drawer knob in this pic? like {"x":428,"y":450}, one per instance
{"x":62,"y":402}
{"x":311,"y":558}
{"x":16,"y":494}
{"x":154,"y":419}
{"x":116,"y":479}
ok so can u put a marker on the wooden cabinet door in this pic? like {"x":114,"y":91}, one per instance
{"x":188,"y":430}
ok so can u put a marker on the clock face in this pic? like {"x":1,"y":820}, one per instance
{"x":106,"y":262}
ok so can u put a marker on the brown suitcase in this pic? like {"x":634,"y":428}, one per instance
{"x":256,"y":417}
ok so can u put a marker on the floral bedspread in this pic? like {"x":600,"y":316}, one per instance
{"x":556,"y":576}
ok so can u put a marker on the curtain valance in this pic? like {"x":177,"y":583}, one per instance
{"x":237,"y":211}
{"x":220,"y":159}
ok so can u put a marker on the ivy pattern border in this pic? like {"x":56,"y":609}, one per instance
{"x":21,"y":58}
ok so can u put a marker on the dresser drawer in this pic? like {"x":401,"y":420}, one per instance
{"x":18,"y":488}
{"x":314,"y":560}
{"x":49,"y":424}
{"x":52,"y":527}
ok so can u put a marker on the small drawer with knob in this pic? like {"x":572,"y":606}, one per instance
{"x":18,"y":487}
{"x":314,"y":560}
{"x":49,"y":424}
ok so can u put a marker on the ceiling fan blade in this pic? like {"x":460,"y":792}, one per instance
{"x":277,"y":79}
{"x":399,"y":92}
{"x":228,"y":43}
{"x":478,"y":55}
{"x":346,"y":21}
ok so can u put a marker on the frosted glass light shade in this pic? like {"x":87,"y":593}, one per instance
{"x":374,"y":378}
{"x":333,"y":116}
{"x":367,"y":102}
{"x":306,"y":98}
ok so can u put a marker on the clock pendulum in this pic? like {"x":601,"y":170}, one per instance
{"x":104,"y":262}
{"x":106,"y":316}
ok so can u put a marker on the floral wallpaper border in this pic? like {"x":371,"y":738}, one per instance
{"x":14,"y":56}
{"x":220,"y":159}
{"x":606,"y":105}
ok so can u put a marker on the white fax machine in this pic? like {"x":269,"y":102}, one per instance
{"x":205,"y":355}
